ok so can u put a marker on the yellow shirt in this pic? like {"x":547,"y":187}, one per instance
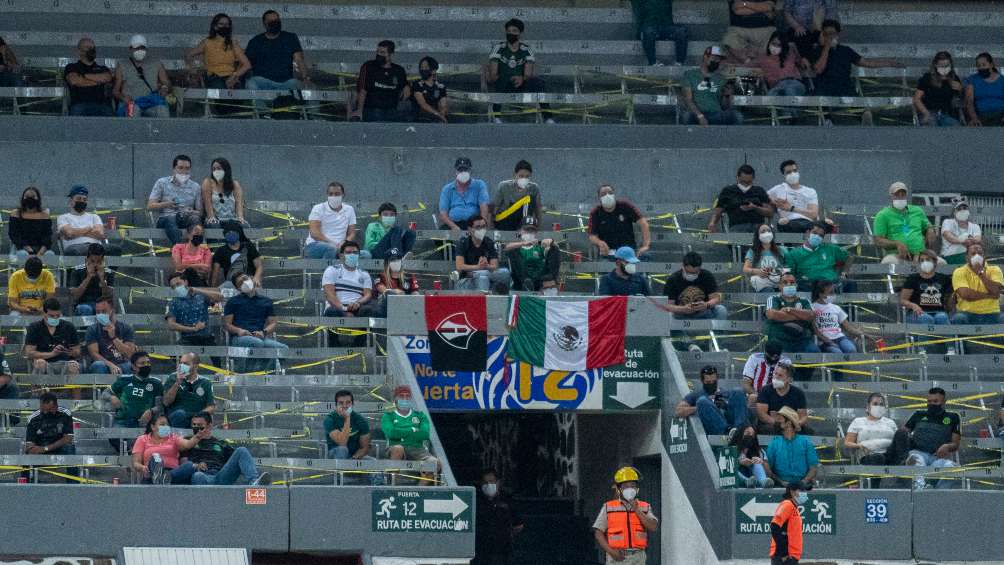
{"x":219,"y":61}
{"x":964,"y":277}
{"x":31,"y":294}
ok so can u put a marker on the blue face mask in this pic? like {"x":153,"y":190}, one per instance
{"x":802,"y":498}
{"x":404,"y":404}
{"x":52,"y":321}
{"x":103,"y":319}
{"x":352,"y":260}
{"x":388,"y":221}
{"x":181,"y":291}
{"x":789,"y":291}
{"x":163,"y":431}
{"x":183,"y":368}
{"x":814,"y":240}
{"x":232,"y":238}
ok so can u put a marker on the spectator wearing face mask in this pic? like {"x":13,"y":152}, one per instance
{"x":78,"y":229}
{"x":249,"y":318}
{"x":141,"y":84}
{"x":496,"y":524}
{"x":779,"y":64}
{"x":797,"y":205}
{"x":225,"y":61}
{"x":832,"y":324}
{"x":985,"y":94}
{"x":393,"y":280}
{"x":330,"y":223}
{"x":781,"y":394}
{"x":237,"y":255}
{"x":347,"y":432}
{"x":462,"y":198}
{"x":29,"y":286}
{"x":622,"y":527}
{"x":188,"y":312}
{"x":193,"y":254}
{"x":110,"y":342}
{"x":87,"y":82}
{"x":833,"y":61}
{"x":958,"y":233}
{"x":752,"y":458}
{"x":156,"y":455}
{"x":348,"y":290}
{"x":872,"y":435}
{"x":177,"y":199}
{"x":186,"y":393}
{"x":938,"y":93}
{"x":136,"y":397}
{"x":978,"y":287}
{"x":693,"y":292}
{"x":534,"y":263}
{"x":512,"y":66}
{"x":819,"y":261}
{"x":703,"y":91}
{"x":721,"y":412}
{"x":624,"y":280}
{"x":51,"y":344}
{"x":407,"y":431}
{"x":764,"y":260}
{"x":386,"y":234}
{"x":222,"y":195}
{"x":902,"y":229}
{"x":927,"y":294}
{"x":744,"y":203}
{"x":429,"y":102}
{"x":935,"y":436}
{"x":791,"y":457}
{"x":790,"y":319}
{"x":275,"y":57}
{"x":381,"y":85}
{"x":30,"y":227}
{"x":612,"y":222}
{"x":759,"y":369}
{"x":517,"y":199}
{"x":90,"y":281}
{"x":213,"y":461}
{"x":477,"y":261}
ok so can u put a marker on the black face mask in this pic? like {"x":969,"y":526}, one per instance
{"x":425,"y":74}
{"x":713,"y":65}
{"x":935,"y":410}
{"x":29,"y":202}
{"x":984,"y":73}
{"x":198,"y":239}
{"x":772,"y":359}
{"x":197,"y":429}
{"x":224,"y":31}
{"x":79,"y":206}
{"x":274,"y":27}
{"x":512,"y":37}
{"x":143,"y":372}
{"x":91,"y":53}
{"x":710,"y":388}
{"x":33,"y":274}
{"x":380,"y":60}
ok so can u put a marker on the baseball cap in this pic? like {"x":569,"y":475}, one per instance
{"x":961,"y":202}
{"x":78,"y":189}
{"x":462,"y":164}
{"x":530,"y":222}
{"x":715,"y":51}
{"x":709,"y":370}
{"x":896,"y":187}
{"x":401,"y":389}
{"x":626,"y":254}
{"x":393,"y":253}
{"x":137,"y":41}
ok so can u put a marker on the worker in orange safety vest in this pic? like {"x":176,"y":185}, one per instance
{"x":623,"y":525}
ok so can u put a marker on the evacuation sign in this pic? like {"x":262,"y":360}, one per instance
{"x":402,"y":510}
{"x":755,"y":511}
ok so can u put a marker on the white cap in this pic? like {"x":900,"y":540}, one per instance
{"x":715,"y":51}
{"x":137,"y":41}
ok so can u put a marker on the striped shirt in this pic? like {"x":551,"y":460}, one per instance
{"x":759,"y":371}
{"x":349,"y":285}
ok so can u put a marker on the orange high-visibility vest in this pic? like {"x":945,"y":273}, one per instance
{"x":624,"y":529}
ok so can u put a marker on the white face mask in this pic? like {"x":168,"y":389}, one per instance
{"x":899,"y":204}
{"x":247,"y":286}
{"x":480,"y":234}
{"x":552,"y":291}
{"x":334,"y":201}
{"x":218,"y":174}
{"x":463,"y":177}
{"x":877,"y":410}
{"x":792,"y":178}
{"x":962,"y":215}
{"x":490,"y":489}
{"x":182,"y":179}
{"x":689,"y":277}
{"x":744,"y":187}
{"x":528,"y":237}
{"x":395,"y":266}
{"x":522,"y":183}
{"x":778,"y":383}
{"x":138,"y":55}
{"x":943,"y":71}
{"x":774,"y":50}
{"x":629,"y":493}
{"x":976,"y":260}
{"x":630,"y":268}
{"x":608,"y":200}
{"x":766,"y":237}
{"x":926,"y":266}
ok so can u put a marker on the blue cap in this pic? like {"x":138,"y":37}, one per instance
{"x":626,"y":254}
{"x":78,"y":189}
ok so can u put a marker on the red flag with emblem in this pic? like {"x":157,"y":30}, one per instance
{"x":458,"y":332}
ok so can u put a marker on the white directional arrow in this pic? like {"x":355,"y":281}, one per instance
{"x":754,"y":509}
{"x":454,"y":506}
{"x":632,"y":394}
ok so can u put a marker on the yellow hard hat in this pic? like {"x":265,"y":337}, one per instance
{"x":625,"y":474}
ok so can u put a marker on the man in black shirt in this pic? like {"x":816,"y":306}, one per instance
{"x":274,"y":56}
{"x":8,"y":388}
{"x":216,"y":462}
{"x":428,"y":95}
{"x":237,"y":255}
{"x":693,"y":292}
{"x":497,"y":523}
{"x":751,"y":22}
{"x":51,"y":344}
{"x":90,"y":281}
{"x":832,"y":63}
{"x":89,"y":83}
{"x":935,"y":435}
{"x":50,"y":431}
{"x":746,"y":204}
{"x":611,"y":225}
{"x":381,"y":85}
{"x":781,"y":393}
{"x":477,"y":260}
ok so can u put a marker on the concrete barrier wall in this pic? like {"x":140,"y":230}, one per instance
{"x":958,"y":526}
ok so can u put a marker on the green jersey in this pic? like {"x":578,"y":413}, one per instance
{"x":707,"y":91}
{"x":192,"y":397}
{"x":533,"y":261}
{"x":511,"y":63}
{"x":410,"y":431}
{"x":136,"y":395}
{"x":374,"y":233}
{"x":778,"y":331}
{"x":819,"y":264}
{"x":358,"y":427}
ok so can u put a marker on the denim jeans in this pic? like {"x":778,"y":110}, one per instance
{"x":928,"y":318}
{"x":170,"y":226}
{"x":484,"y":280}
{"x":101,"y":368}
{"x":840,"y":345}
{"x":678,"y":34}
{"x":718,"y":312}
{"x":84,"y":309}
{"x":321,"y":250}
{"x":250,"y":341}
{"x":800,"y":225}
{"x":532,"y":84}
{"x":788,"y":87}
{"x":262,"y":83}
{"x":839,"y":286}
{"x":111,"y":250}
{"x":92,"y":109}
{"x":924,"y":459}
{"x":967,"y":318}
{"x":396,"y":237}
{"x":728,"y":117}
{"x":757,"y":473}
{"x":20,"y":255}
{"x":240,"y":463}
{"x":941,"y":120}
{"x":371,"y":114}
{"x":715,"y":423}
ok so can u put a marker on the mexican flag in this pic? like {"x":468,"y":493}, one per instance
{"x":567,"y":335}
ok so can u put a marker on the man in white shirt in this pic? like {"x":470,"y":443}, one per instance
{"x":348,"y":290}
{"x":78,"y":229}
{"x":759,"y":369}
{"x":331,"y":223}
{"x":797,"y":205}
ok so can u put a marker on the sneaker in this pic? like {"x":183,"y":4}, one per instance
{"x":658,"y":64}
{"x":454,"y":276}
{"x":750,"y":482}
{"x":694,"y":348}
{"x":731,"y":435}
{"x":767,"y":483}
{"x":498,"y":121}
{"x":262,"y":479}
{"x":549,"y":121}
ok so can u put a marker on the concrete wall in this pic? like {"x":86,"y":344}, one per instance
{"x":956,"y":526}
